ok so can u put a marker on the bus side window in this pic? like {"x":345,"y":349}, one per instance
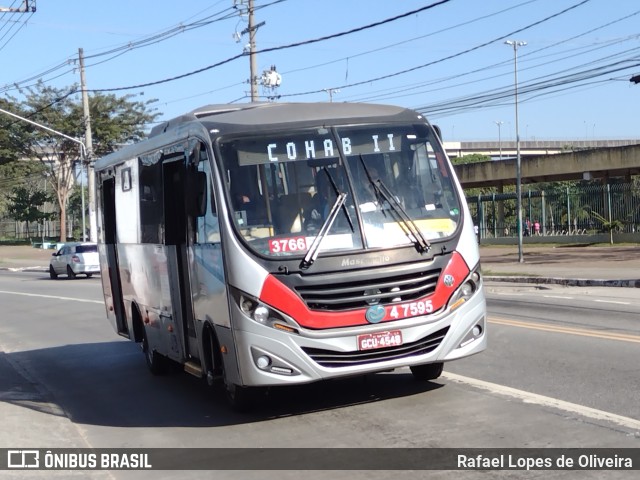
{"x":208,"y":229}
{"x":151,"y":208}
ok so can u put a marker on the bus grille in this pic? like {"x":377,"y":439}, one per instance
{"x":333,"y":359}
{"x":344,"y":295}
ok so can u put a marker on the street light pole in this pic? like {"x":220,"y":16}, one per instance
{"x":515,"y":44}
{"x":499,"y":124}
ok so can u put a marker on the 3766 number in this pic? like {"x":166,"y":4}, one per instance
{"x":281,"y":245}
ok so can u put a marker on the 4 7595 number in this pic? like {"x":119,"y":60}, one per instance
{"x":412,"y":309}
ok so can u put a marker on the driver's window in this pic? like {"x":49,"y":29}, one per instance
{"x":208,"y":228}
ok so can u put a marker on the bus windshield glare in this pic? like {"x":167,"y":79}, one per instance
{"x":282,"y":186}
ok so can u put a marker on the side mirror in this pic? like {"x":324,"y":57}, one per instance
{"x":438,"y":132}
{"x":197,"y":194}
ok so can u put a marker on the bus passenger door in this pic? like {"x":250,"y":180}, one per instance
{"x":113,"y":283}
{"x":177,"y":238}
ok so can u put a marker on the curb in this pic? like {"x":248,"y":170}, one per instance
{"x":569,"y":282}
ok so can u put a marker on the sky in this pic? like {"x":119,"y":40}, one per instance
{"x":445,"y":58}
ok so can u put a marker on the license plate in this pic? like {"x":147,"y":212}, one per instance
{"x":371,"y":341}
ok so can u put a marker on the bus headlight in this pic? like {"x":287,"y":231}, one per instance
{"x":262,"y":313}
{"x":466,"y":290}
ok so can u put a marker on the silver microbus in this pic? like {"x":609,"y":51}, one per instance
{"x":277,"y":244}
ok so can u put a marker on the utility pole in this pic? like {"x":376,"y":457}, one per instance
{"x":331,"y":91}
{"x":88,"y":141}
{"x":26,"y":7}
{"x":252,"y":28}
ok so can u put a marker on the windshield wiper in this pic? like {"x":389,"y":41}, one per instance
{"x":406,"y":223}
{"x":314,"y":249}
{"x":338,"y":192}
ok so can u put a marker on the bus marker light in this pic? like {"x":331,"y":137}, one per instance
{"x":458,"y":303}
{"x":223,"y":349}
{"x":170,"y":328}
{"x":286,"y":328}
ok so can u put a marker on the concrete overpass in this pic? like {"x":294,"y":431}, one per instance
{"x":507,"y":149}
{"x":619,"y":161}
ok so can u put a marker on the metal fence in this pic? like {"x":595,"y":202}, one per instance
{"x":570,"y":210}
{"x":11,"y":230}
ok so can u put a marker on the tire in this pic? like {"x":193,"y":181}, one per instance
{"x":429,"y":371}
{"x":157,"y":364}
{"x":241,"y":399}
{"x":70,"y":273}
{"x":88,"y":275}
{"x":213,"y":374}
{"x":52,"y":273}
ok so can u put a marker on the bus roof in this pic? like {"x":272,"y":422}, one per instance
{"x":253,"y":117}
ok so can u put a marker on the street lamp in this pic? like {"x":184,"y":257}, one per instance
{"x":499,"y":124}
{"x":515,"y":44}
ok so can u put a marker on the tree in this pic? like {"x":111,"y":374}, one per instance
{"x":18,"y":174}
{"x":115,"y":121}
{"x":25,"y":206}
{"x":75,"y":209}
{"x":609,"y":225}
{"x":11,"y":138}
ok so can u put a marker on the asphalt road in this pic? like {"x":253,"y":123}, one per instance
{"x":67,"y":380}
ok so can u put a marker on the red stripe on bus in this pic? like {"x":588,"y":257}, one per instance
{"x":281,"y":297}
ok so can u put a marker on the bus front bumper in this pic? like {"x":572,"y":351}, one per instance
{"x":269,"y":357}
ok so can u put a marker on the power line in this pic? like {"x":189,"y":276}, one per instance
{"x":282,"y":47}
{"x":421,"y":37}
{"x":434,"y":62}
{"x":390,"y":92}
{"x":127,"y":47}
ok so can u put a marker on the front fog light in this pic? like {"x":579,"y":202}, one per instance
{"x":263,"y":362}
{"x":261,"y":314}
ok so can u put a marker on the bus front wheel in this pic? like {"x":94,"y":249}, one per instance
{"x":429,"y":371}
{"x":241,"y":399}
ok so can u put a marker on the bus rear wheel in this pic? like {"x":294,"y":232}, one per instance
{"x":429,"y":371}
{"x":157,"y":364}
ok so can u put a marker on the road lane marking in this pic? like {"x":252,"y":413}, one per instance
{"x":101,"y":302}
{"x":528,"y":397}
{"x":623,"y":337}
{"x":613,"y":301}
{"x":558,"y":296}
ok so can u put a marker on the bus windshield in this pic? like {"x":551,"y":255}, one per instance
{"x":394,"y":180}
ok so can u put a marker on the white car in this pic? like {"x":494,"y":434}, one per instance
{"x":75,"y":258}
